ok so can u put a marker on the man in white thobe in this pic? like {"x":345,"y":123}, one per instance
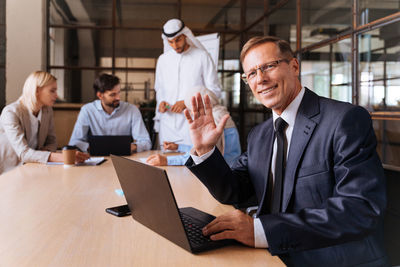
{"x":184,"y":64}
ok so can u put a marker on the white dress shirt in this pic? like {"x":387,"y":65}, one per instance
{"x":35,"y":124}
{"x":175,"y":74}
{"x":289,"y":115}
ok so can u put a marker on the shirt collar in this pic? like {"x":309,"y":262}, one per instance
{"x":289,"y":114}
{"x":36,"y":118}
{"x":39,"y":117}
{"x":97,"y":104}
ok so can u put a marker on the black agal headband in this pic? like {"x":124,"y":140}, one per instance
{"x":169,"y":35}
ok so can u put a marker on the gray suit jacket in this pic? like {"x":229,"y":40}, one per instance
{"x":333,"y":190}
{"x":15,"y":128}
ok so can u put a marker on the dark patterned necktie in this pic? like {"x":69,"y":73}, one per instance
{"x":280,"y":126}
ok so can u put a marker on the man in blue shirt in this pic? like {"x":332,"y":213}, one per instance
{"x":110,"y":116}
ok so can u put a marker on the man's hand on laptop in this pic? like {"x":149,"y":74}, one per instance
{"x":232,"y":225}
{"x":81,"y":156}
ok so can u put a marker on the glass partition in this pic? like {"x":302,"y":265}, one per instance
{"x":88,"y":12}
{"x":145,"y":14}
{"x":379,"y":68}
{"x":369,"y":11}
{"x":327,"y":70}
{"x":78,"y":47}
{"x":324,"y":19}
{"x":75,"y":86}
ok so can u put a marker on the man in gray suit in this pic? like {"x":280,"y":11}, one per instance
{"x":312,"y":167}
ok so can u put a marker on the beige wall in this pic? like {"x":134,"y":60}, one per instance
{"x":25,"y":42}
{"x":65,"y":115}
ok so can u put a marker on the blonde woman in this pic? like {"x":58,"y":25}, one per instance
{"x":27,"y":127}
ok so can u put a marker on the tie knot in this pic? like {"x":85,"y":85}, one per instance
{"x":280,"y":125}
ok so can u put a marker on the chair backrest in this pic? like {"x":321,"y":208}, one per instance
{"x":392,"y":216}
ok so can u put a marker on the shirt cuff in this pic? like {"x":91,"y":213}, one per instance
{"x":177,"y":160}
{"x":184,"y":148}
{"x":199,"y":159}
{"x":142,"y":145}
{"x":260,"y":240}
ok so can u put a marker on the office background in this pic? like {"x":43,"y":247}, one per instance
{"x":349,"y":50}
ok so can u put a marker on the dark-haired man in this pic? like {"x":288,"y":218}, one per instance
{"x":313,"y":168}
{"x":110,"y":116}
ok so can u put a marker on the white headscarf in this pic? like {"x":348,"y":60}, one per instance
{"x":175,"y":27}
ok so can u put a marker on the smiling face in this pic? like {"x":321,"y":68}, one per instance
{"x":275,"y":88}
{"x":47,"y":95}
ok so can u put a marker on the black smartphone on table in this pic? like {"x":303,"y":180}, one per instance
{"x":119,"y":211}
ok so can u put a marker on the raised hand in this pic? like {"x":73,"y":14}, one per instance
{"x":203,"y":131}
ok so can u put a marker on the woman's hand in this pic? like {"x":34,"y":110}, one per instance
{"x":81,"y":156}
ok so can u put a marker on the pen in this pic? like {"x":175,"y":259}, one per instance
{"x":174,"y":141}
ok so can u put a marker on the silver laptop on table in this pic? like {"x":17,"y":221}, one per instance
{"x":152,"y":202}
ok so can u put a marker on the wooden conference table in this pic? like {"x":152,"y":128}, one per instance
{"x":51,"y":216}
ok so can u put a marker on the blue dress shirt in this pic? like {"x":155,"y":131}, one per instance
{"x":124,"y":120}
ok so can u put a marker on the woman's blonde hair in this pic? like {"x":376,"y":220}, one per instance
{"x":33,"y":82}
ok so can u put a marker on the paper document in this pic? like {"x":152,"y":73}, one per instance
{"x":92,"y":161}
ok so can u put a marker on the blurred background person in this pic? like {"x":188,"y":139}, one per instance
{"x":108,"y":115}
{"x":27,"y":126}
{"x":229,"y":145}
{"x":184,"y":64}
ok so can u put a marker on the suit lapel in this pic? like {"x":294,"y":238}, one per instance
{"x":302,"y":132}
{"x":43,"y":128}
{"x":26,"y":121}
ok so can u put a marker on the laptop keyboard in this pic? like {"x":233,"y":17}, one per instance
{"x":193,"y":231}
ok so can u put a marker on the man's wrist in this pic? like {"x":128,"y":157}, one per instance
{"x":199,"y":159}
{"x":203,"y":151}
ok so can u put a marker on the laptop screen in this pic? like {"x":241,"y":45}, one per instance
{"x":104,"y":145}
{"x":150,"y":198}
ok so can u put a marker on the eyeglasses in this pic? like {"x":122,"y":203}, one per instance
{"x":267,"y":67}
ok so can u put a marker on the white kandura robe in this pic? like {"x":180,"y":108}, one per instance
{"x":176,"y":73}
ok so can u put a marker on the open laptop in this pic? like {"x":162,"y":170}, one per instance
{"x":152,"y":202}
{"x":104,"y":145}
